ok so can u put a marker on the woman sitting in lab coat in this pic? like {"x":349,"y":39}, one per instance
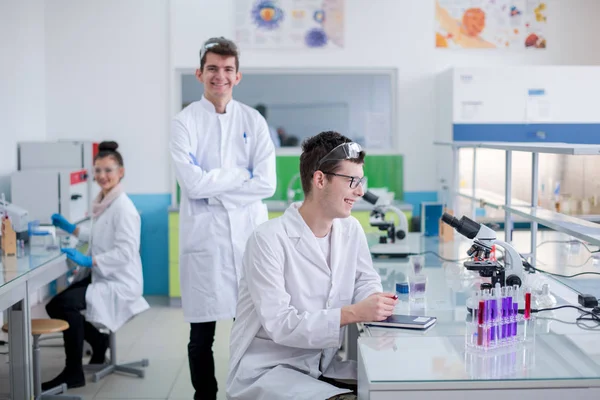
{"x":109,"y":286}
{"x":306,"y":275}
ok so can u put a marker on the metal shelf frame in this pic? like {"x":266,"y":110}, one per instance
{"x":573,"y":226}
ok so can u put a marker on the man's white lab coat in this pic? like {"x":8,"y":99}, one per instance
{"x":287,"y":331}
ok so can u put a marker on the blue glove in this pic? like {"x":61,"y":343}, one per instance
{"x":251,"y":174}
{"x":194,"y":160}
{"x":78,"y":258}
{"x":60,"y":221}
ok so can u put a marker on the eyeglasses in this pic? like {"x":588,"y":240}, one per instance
{"x":354,"y":180}
{"x":344,"y":151}
{"x":107,"y":171}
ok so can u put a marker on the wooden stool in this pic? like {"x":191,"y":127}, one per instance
{"x":40,"y":327}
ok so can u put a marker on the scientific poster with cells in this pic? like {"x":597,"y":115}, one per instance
{"x":501,"y":24}
{"x":291,"y":24}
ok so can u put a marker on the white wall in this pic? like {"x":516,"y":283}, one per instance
{"x":397,"y":34}
{"x":107,"y":74}
{"x":22,"y":81}
{"x":109,"y":66}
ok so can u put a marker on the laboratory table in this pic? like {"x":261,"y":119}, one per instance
{"x":562,"y":360}
{"x":19,"y":279}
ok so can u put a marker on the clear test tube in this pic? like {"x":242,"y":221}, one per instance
{"x":514,"y":320}
{"x":498,"y":301}
{"x":517,"y":296}
{"x":475,"y":304}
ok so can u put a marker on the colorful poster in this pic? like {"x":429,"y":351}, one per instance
{"x":293,"y":24}
{"x":476,"y":24}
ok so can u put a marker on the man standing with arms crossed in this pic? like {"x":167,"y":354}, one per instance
{"x":224,"y":161}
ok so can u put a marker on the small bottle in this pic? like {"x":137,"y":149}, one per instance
{"x":403,"y":291}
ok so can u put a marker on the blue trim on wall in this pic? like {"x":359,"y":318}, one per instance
{"x":154,"y":248}
{"x":567,"y":133}
{"x":416,"y":198}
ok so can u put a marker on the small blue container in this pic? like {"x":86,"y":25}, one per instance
{"x":402,"y":288}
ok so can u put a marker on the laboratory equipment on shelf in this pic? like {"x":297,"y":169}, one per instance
{"x":393,"y":243}
{"x":46,"y":192}
{"x":62,"y":154}
{"x":19,"y":217}
{"x":8,"y":235}
{"x":41,"y":238}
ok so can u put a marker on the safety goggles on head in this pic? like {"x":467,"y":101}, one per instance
{"x":215,"y":42}
{"x":345,"y":151}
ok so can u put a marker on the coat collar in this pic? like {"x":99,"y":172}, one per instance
{"x":208,"y":106}
{"x":306,"y":242}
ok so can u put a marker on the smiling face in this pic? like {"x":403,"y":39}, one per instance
{"x":336,"y":195}
{"x":219,"y":76}
{"x":108,"y":173}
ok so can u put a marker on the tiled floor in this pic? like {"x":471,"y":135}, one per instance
{"x":159,"y":334}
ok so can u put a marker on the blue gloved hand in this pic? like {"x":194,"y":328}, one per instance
{"x":61,"y":222}
{"x":194,"y":160}
{"x":78,"y":258}
{"x":251,"y":174}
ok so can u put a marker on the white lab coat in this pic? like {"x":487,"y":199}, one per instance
{"x":287,"y":331}
{"x":115,"y":294}
{"x":220,"y":205}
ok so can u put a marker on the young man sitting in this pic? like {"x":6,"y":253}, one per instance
{"x":306,"y":275}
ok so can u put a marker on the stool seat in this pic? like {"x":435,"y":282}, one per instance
{"x":44,"y":326}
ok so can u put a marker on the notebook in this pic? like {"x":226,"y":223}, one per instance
{"x":405,"y":321}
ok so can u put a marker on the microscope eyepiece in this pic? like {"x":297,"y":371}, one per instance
{"x":450,"y":220}
{"x":465,"y":226}
{"x":369,"y":197}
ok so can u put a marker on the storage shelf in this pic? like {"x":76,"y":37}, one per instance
{"x":531,"y":147}
{"x":579,"y":226}
{"x":576,"y":227}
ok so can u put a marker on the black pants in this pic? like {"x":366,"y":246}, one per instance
{"x":202,"y":363}
{"x":340,"y":384}
{"x":67,"y":306}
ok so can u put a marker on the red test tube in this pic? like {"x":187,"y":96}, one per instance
{"x":528,"y":304}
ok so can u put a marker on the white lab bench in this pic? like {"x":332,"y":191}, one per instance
{"x":19,"y":279}
{"x":564,"y":360}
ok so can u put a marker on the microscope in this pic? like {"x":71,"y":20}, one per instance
{"x":509,"y":274}
{"x":393,"y":243}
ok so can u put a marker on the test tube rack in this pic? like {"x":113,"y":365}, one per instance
{"x":505,"y":332}
{"x":502,"y":363}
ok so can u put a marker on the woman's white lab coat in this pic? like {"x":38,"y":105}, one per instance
{"x":287,"y":331}
{"x":220,"y":206}
{"x":115,"y":294}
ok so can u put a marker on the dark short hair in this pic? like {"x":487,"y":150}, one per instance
{"x":314,"y":149}
{"x":221,"y":46}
